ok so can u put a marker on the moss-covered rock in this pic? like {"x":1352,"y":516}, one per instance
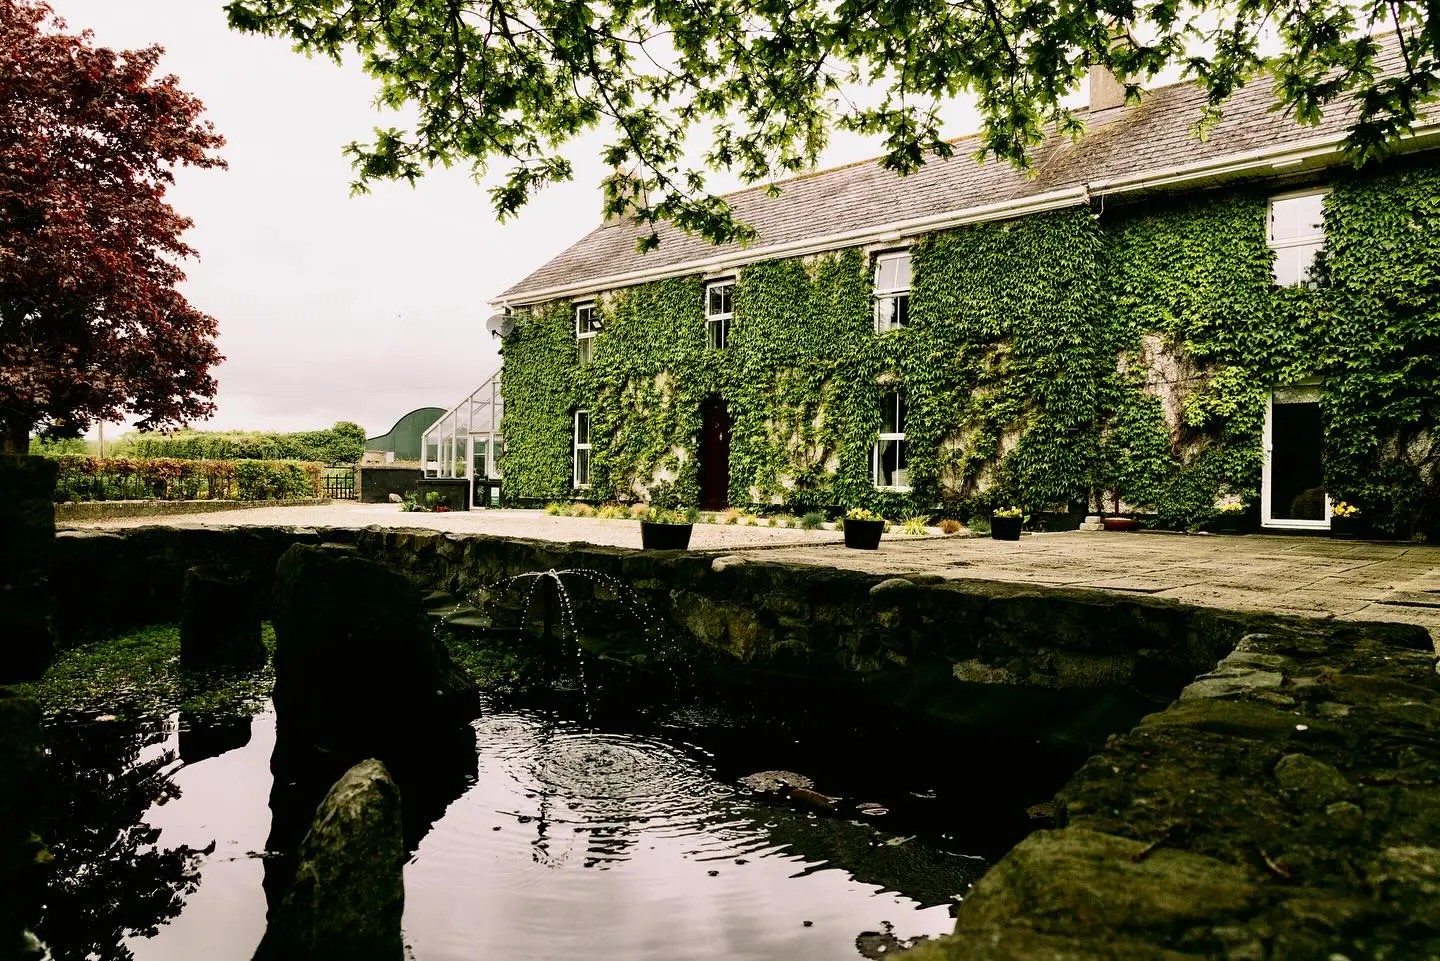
{"x":348,"y":895}
{"x":357,"y":666}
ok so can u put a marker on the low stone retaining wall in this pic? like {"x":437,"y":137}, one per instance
{"x":71,"y":511}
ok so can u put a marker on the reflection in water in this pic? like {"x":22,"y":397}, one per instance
{"x":110,"y":877}
{"x":535,"y":834}
{"x":430,"y":774}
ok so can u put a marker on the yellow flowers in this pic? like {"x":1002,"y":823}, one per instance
{"x":1345,"y":509}
{"x":1007,"y":512}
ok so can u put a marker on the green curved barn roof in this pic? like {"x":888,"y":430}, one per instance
{"x":404,"y":437}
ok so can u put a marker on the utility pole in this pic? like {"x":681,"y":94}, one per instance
{"x":102,"y":438}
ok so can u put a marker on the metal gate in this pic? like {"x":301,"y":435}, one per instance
{"x":340,"y":483}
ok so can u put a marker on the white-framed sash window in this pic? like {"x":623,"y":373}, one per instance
{"x":581,"y":448}
{"x":889,"y":460}
{"x":719,"y":310}
{"x":587,"y":325}
{"x":1296,"y":232}
{"x":892,"y":290}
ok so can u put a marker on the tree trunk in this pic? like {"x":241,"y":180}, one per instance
{"x":14,"y":436}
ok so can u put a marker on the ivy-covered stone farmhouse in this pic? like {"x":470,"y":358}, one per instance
{"x":1145,"y":321}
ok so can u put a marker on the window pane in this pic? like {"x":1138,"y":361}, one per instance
{"x":716,"y":333}
{"x":1292,"y":264}
{"x":890,"y":406}
{"x":582,"y":427}
{"x":888,"y":311}
{"x":582,"y":467}
{"x":892,"y":272}
{"x":720,"y":298}
{"x":1296,"y":217}
{"x":902,"y":273}
{"x":890,"y":464}
{"x":586,"y":349}
{"x":901,"y":316}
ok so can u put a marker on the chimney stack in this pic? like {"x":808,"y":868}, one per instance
{"x":635,"y":196}
{"x":1106,"y":91}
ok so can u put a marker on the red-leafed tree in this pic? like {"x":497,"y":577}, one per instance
{"x":91,"y":323}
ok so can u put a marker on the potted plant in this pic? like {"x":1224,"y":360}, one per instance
{"x":1345,"y":521}
{"x":1005,"y":523}
{"x":863,"y":529}
{"x":665,"y":529}
{"x":1230,"y":518}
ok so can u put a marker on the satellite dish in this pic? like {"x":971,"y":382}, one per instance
{"x":501,"y":325}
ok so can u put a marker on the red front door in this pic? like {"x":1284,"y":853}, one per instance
{"x":715,"y":456}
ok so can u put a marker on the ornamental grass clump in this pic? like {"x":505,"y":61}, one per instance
{"x":950,"y":525}
{"x":812,"y":521}
{"x":914,"y":526}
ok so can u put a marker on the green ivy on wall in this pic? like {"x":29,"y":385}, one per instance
{"x":1059,"y":358}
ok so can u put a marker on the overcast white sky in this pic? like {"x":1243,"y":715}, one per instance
{"x":332,"y":307}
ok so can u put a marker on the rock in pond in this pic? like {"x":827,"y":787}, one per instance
{"x":357,"y":665}
{"x":775,"y":782}
{"x":220,"y":619}
{"x":348,"y":896}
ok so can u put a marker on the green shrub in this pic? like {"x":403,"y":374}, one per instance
{"x":167,"y":478}
{"x":812,"y":521}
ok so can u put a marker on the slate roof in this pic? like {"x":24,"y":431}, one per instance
{"x":1155,"y":135}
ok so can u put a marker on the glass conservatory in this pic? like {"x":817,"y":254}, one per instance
{"x":465,"y":443}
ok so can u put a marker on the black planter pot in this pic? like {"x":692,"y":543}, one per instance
{"x":665,"y":537}
{"x":863,"y":535}
{"x":1005,"y":528}
{"x":1347,"y":528}
{"x":1232,"y":524}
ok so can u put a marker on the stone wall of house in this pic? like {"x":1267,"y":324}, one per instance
{"x":1121,"y":357}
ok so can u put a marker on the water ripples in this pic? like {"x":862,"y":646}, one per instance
{"x":611,"y":791}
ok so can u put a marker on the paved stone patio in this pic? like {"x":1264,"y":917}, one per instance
{"x":1308,"y":576}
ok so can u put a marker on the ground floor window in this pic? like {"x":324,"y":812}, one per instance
{"x":889,"y":467}
{"x":582,"y":448}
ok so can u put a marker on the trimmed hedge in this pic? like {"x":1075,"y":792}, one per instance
{"x":168,"y":478}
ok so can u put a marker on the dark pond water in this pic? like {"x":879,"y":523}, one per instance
{"x":582,"y":831}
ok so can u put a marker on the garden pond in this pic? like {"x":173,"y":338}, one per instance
{"x":608,"y":817}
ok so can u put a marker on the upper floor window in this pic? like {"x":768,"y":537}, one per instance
{"x":582,"y":448}
{"x":719,"y":308}
{"x":587,"y":325}
{"x":1297,"y":233}
{"x":889,"y":461}
{"x":892,"y":290}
